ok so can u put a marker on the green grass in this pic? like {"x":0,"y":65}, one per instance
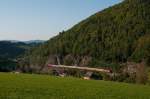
{"x":25,"y":86}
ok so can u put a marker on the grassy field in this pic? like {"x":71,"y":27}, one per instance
{"x":24,"y":86}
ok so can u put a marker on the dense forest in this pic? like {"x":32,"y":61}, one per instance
{"x":115,"y":35}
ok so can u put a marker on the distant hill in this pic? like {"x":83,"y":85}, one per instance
{"x":27,"y":42}
{"x":115,"y":35}
{"x":34,"y":41}
{"x":11,"y":50}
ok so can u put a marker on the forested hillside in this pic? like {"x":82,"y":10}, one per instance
{"x":115,"y":35}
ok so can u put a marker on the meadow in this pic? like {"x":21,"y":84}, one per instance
{"x":31,"y":86}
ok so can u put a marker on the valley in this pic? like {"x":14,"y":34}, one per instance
{"x":104,"y":56}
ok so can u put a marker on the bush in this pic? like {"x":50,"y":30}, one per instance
{"x":96,"y":76}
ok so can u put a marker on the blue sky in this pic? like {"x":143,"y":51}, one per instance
{"x":43,"y":19}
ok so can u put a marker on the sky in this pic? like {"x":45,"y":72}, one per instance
{"x":42,"y":19}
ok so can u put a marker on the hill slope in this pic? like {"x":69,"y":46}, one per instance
{"x":45,"y":87}
{"x":117,"y":34}
{"x":13,"y":49}
{"x":10,"y":51}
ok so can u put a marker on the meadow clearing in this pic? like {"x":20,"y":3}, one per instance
{"x":31,"y":86}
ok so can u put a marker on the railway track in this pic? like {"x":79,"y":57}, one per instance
{"x":80,"y":68}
